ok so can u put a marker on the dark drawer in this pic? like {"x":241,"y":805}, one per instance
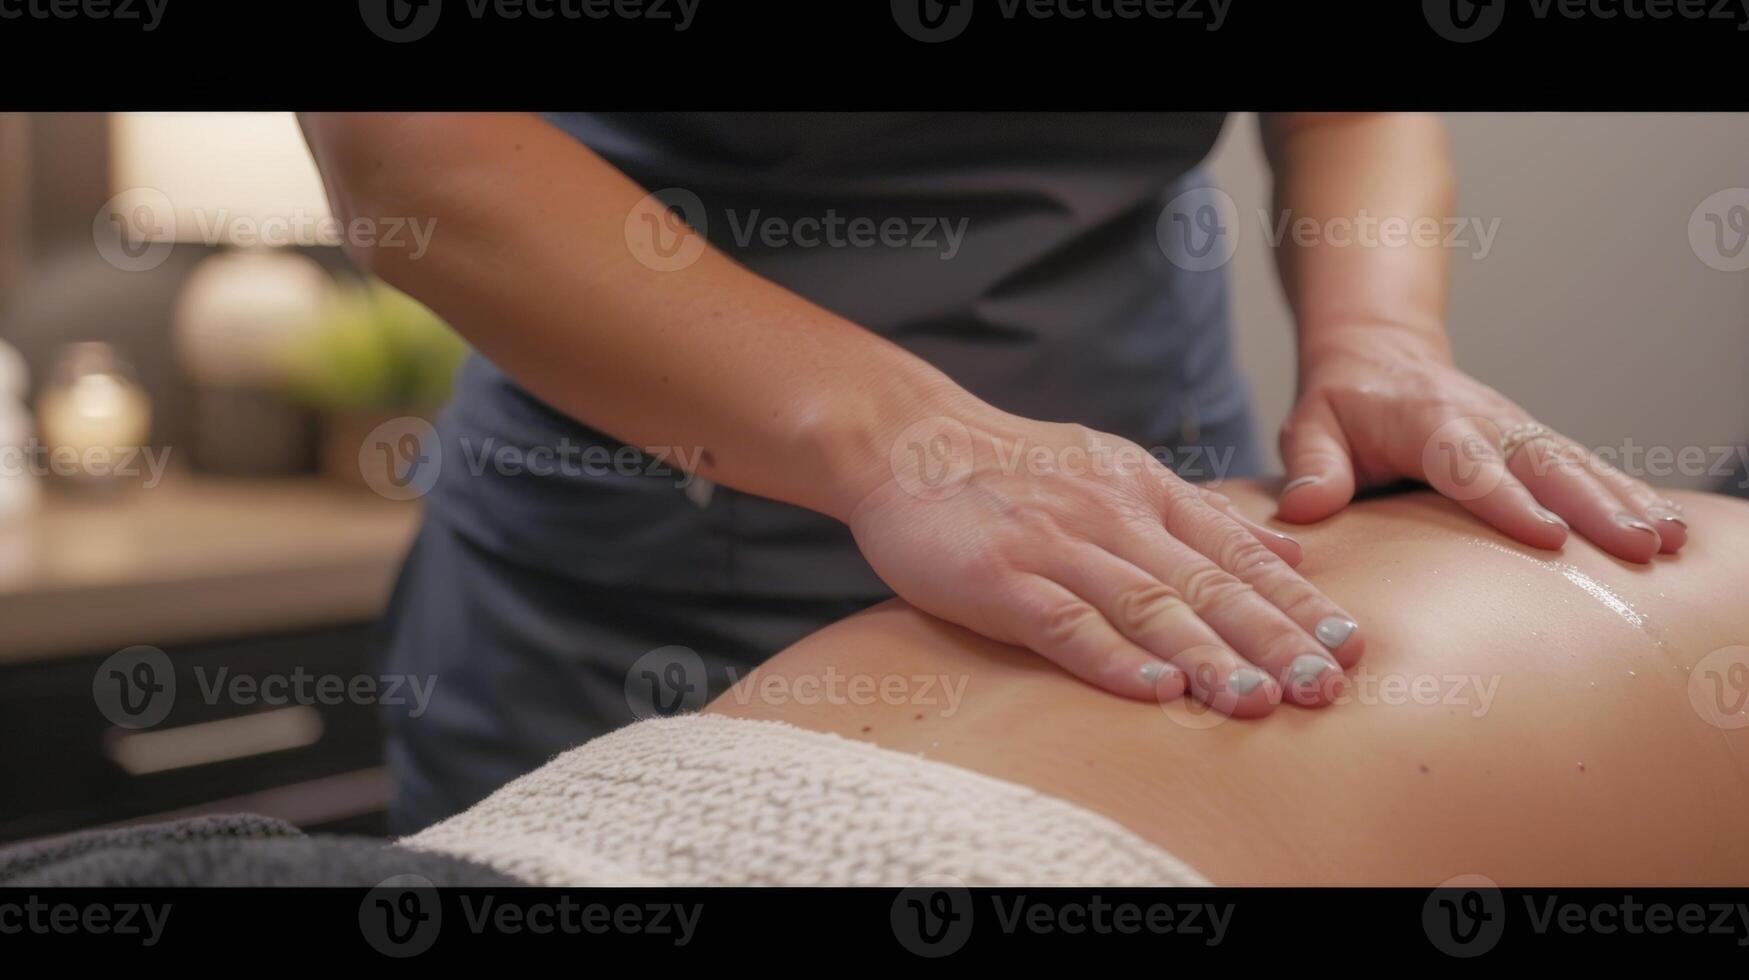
{"x":266,"y":720}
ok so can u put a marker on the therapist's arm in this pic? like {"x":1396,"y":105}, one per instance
{"x":1365,"y":205}
{"x":542,"y":256}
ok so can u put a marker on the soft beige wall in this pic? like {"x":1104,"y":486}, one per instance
{"x":1591,"y":309}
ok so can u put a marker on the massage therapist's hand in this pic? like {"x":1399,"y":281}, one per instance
{"x":1378,"y":404}
{"x":1084,"y":548}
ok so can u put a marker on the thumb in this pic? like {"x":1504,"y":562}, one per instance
{"x":1320,"y":470}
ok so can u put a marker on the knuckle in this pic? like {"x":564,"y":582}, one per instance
{"x":1145,"y":608}
{"x":1239,"y":549}
{"x":1062,"y":623}
{"x":1299,"y":601}
{"x":1207,"y":587}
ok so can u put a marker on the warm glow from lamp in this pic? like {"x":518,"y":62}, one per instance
{"x":232,"y":177}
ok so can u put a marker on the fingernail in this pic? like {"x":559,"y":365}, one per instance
{"x":1304,"y":481}
{"x":1153,"y":671}
{"x":1244,"y":680}
{"x":1307,"y":668}
{"x":1333,"y":631}
{"x":1548,"y":516}
{"x":1665,"y":514}
{"x":1673,"y":505}
{"x":1633,"y":523}
{"x":1290,"y":539}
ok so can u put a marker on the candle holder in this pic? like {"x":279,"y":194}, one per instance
{"x":93,"y":416}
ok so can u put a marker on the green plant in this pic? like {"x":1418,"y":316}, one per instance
{"x":376,"y":349}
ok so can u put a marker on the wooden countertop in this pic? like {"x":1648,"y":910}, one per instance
{"x":195,"y":558}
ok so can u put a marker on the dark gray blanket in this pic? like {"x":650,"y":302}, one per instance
{"x":242,"y":850}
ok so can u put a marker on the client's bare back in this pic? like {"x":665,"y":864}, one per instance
{"x":1529,"y":716}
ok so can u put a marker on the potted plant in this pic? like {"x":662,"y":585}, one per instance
{"x":378,"y":355}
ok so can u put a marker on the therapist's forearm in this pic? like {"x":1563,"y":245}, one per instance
{"x":529,"y":259}
{"x":1339,"y":177}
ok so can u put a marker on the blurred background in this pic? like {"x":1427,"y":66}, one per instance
{"x":184,"y":393}
{"x":190,"y":367}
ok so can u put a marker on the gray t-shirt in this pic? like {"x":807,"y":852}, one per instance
{"x":1017,"y":252}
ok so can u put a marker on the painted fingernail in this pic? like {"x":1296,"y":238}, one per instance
{"x":1244,"y":680}
{"x":1304,"y":481}
{"x":1307,"y":668}
{"x":1548,"y":516}
{"x":1633,"y":523}
{"x":1665,"y":514}
{"x":1333,"y":631}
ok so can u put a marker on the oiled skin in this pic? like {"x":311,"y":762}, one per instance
{"x":1590,"y":764}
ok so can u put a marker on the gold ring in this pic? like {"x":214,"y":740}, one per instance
{"x":1520,"y":434}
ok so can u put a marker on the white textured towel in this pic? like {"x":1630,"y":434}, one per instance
{"x":707,"y":800}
